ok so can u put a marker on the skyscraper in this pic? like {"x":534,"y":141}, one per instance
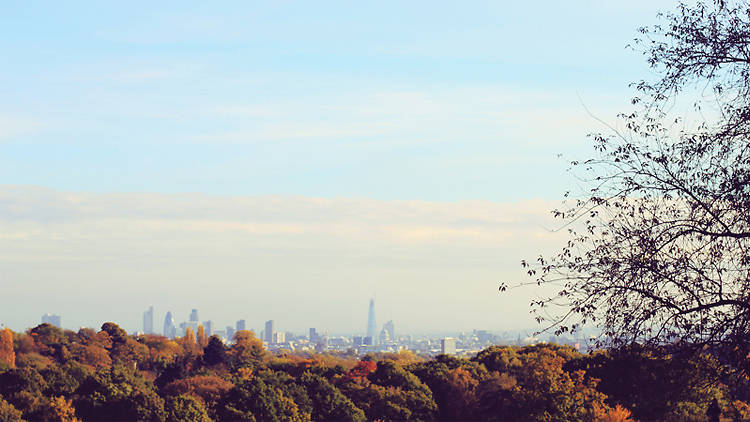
{"x":268,"y":334}
{"x":169,"y":328}
{"x":357,"y":342}
{"x":241,"y":325}
{"x":208,"y":327}
{"x":52,"y":320}
{"x":148,"y":321}
{"x":194,"y":316}
{"x":448,"y":346}
{"x":372,"y":330}
{"x":391,"y":328}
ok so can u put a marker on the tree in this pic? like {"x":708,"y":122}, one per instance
{"x":532,"y":383}
{"x":658,"y":248}
{"x":116,"y":334}
{"x":653,"y":385}
{"x":328,"y":403}
{"x":189,"y":344}
{"x":8,"y":413}
{"x":246,"y":350}
{"x":119,"y":393}
{"x":391,"y":393}
{"x":47,"y":338}
{"x":7,"y":354}
{"x":215,"y":352}
{"x":254,"y":400}
{"x":184,"y":408}
{"x":62,"y":410}
{"x":201,"y":336}
{"x":208,"y":389}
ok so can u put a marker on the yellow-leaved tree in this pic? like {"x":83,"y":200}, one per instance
{"x":7,"y":354}
{"x":63,"y":410}
{"x":189,"y":338}
{"x":201,"y":336}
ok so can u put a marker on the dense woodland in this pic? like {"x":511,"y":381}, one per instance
{"x":49,"y":374}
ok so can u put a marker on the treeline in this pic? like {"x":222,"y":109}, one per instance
{"x":49,"y":374}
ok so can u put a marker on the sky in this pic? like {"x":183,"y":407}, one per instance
{"x":289,"y":160}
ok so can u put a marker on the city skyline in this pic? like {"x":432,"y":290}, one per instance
{"x":173,"y":329}
{"x":461,"y":250}
{"x":298,"y":153}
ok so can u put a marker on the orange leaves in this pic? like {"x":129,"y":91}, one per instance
{"x":92,"y":355}
{"x":246,"y":348}
{"x":189,"y":338}
{"x":206,"y":388}
{"x":245,"y":373}
{"x":361,"y":370}
{"x":7,"y":354}
{"x":63,"y":410}
{"x":201,"y":336}
{"x":616,"y":414}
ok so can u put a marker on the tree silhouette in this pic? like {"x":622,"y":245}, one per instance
{"x":658,"y":248}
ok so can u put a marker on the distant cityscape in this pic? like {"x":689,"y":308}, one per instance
{"x":385,"y":340}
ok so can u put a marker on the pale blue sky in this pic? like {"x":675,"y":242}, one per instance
{"x":263,"y":108}
{"x":428,"y":100}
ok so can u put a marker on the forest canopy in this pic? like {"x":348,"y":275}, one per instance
{"x":61,"y":375}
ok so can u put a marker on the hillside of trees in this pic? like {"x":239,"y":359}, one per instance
{"x":49,"y":374}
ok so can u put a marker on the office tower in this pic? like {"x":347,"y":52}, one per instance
{"x":241,"y":325}
{"x":268,"y":333}
{"x":230,"y":333}
{"x":448,"y":346}
{"x":322,"y":345}
{"x":279,"y":337}
{"x":384,"y":337}
{"x":148,"y":321}
{"x":357,"y":341}
{"x":52,"y":320}
{"x":391,"y":328}
{"x":313,"y":335}
{"x":367,"y":341}
{"x":372,"y":330}
{"x":194,"y":316}
{"x":208,"y":328}
{"x":169,"y":328}
{"x":484,"y":337}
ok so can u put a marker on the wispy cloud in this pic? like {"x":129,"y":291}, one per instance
{"x":476,"y":113}
{"x":12,"y":127}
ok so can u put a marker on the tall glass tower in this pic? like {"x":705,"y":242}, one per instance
{"x":148,"y":321}
{"x":169,"y":328}
{"x":372,"y":330}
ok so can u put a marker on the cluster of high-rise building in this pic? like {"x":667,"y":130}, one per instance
{"x":374,"y":340}
{"x":52,"y":320}
{"x":172,"y":330}
{"x":384,"y":340}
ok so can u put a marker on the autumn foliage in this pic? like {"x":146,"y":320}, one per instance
{"x":48,"y":374}
{"x":7,"y":354}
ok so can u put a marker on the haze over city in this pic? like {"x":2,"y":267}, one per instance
{"x":289,"y":161}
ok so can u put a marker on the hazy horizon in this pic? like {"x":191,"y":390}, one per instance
{"x":300,"y":261}
{"x":289,"y":161}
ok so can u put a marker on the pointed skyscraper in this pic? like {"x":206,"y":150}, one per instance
{"x":372,"y":330}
